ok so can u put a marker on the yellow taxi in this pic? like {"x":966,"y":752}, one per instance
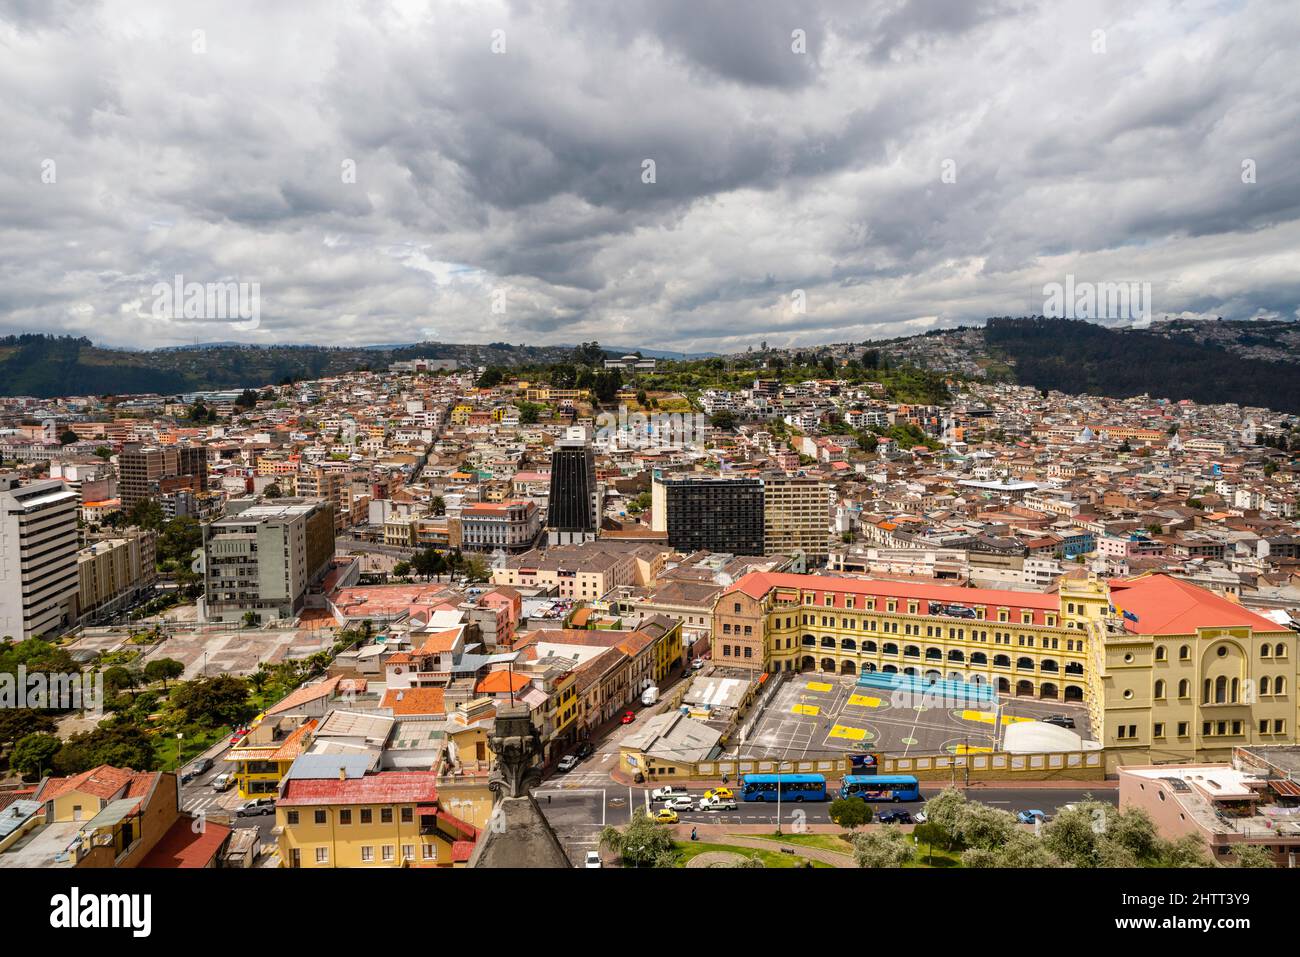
{"x":723,"y":793}
{"x":666,"y":816}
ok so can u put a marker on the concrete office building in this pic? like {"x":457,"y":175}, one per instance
{"x":143,"y":471}
{"x":263,"y":556}
{"x":38,"y":557}
{"x":797,"y":512}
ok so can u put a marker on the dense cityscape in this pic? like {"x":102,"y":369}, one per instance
{"x":695,"y":442}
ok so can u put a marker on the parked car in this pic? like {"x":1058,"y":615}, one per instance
{"x":223,"y":781}
{"x":584,"y":750}
{"x":628,"y":717}
{"x":1060,"y":720}
{"x":668,"y":792}
{"x":683,"y":802}
{"x":920,"y":817}
{"x":901,"y":816}
{"x":1031,"y":817}
{"x":593,"y":859}
{"x":697,"y":664}
{"x":567,"y":763}
{"x":718,"y":804}
{"x":255,"y":807}
{"x":199,"y":768}
{"x":666,"y":816}
{"x":719,"y":792}
{"x":239,"y":735}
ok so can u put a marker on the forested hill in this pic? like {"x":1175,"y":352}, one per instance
{"x":46,"y":366}
{"x":1076,"y":356}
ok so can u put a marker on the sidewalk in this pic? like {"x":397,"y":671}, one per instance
{"x":622,"y":777}
{"x":735,"y":837}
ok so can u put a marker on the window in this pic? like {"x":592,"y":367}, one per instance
{"x":1184,"y":688}
{"x":1265,"y":651}
{"x":1158,"y":730}
{"x":408,"y":815}
{"x":1160,"y":689}
{"x":1182,"y":729}
{"x":1184,"y":653}
{"x":345,"y":816}
{"x":367,"y":815}
{"x":388,"y":853}
{"x":408,"y":852}
{"x":1160,"y":652}
{"x":322,"y":855}
{"x":291,"y":817}
{"x":367,"y":854}
{"x":319,"y":817}
{"x":429,"y":852}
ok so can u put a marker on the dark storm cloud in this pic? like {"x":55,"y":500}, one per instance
{"x":388,"y":171}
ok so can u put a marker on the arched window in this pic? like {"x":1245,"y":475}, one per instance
{"x":1236,"y":686}
{"x":848,"y":644}
{"x":1221,"y":689}
{"x":1184,"y":653}
{"x":1025,"y":664}
{"x":869,"y":646}
{"x":1279,"y":686}
{"x":891,"y":648}
{"x":1160,"y":689}
{"x":1184,"y":688}
{"x":979,"y":658}
{"x":1049,"y":664}
{"x":911,"y":651}
{"x":1001,"y":661}
{"x":1160,"y":652}
{"x":1265,"y":650}
{"x":1265,"y":683}
{"x":1279,"y":651}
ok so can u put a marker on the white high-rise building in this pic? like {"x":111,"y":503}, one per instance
{"x":38,"y":557}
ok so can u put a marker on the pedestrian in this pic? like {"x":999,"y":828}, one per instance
{"x":694,"y":836}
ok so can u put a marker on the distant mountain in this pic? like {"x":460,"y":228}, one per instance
{"x":47,"y":367}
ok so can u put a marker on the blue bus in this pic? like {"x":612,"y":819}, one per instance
{"x":881,"y":787}
{"x":794,"y":787}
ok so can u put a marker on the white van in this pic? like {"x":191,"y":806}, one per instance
{"x":223,"y":781}
{"x":649,"y":696}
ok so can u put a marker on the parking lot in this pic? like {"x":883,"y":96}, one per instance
{"x":816,"y":715}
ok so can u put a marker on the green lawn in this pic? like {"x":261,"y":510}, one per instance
{"x":827,"y":842}
{"x":175,"y":754}
{"x":689,"y":849}
{"x":942,"y":858}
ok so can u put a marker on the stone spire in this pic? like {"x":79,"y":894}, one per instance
{"x":517,"y":833}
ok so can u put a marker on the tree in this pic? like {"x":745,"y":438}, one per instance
{"x":980,"y":826}
{"x":1252,"y":855}
{"x":889,"y":847}
{"x":438,"y":505}
{"x":402,"y":569}
{"x":18,"y":723}
{"x":164,"y":670}
{"x":119,"y":743}
{"x":213,"y":702}
{"x":250,"y":619}
{"x":67,"y":437}
{"x":178,"y":540}
{"x":930,"y":834}
{"x":33,"y":755}
{"x":247,"y":399}
{"x":723,"y":419}
{"x":641,"y":843}
{"x":119,"y":678}
{"x":146,"y":513}
{"x":272,"y":491}
{"x":850,"y":813}
{"x":477,"y":570}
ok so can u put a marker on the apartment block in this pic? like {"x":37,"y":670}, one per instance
{"x":38,"y":557}
{"x":263,"y":556}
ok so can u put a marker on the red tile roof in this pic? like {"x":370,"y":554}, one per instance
{"x":387,"y":787}
{"x":181,"y":847}
{"x":1167,"y":606}
{"x":501,"y":682}
{"x":104,"y":782}
{"x":306,"y":694}
{"x":410,"y":701}
{"x":758,"y":584}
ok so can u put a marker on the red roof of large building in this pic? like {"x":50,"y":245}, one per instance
{"x":1167,"y":606}
{"x":387,"y":787}
{"x":758,"y":584}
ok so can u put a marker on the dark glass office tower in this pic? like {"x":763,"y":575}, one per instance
{"x":716,"y":514}
{"x":571,"y":511}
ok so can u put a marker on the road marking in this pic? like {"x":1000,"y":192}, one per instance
{"x":809,"y":709}
{"x":864,"y":701}
{"x":819,"y":686}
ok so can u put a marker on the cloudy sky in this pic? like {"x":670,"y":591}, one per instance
{"x":681,"y":174}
